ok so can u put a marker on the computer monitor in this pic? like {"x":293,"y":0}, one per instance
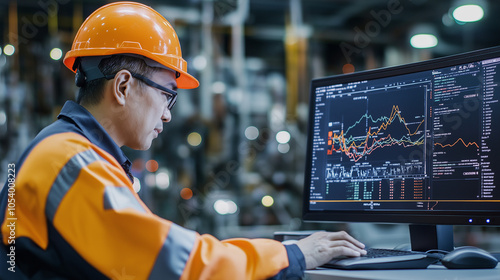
{"x":417,"y":144}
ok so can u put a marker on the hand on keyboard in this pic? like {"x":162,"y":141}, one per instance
{"x":321,"y":247}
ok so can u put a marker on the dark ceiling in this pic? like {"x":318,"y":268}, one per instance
{"x":330,"y":23}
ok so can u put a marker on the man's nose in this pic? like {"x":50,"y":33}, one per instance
{"x":167,"y":116}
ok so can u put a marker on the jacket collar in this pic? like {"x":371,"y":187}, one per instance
{"x":93,"y":131}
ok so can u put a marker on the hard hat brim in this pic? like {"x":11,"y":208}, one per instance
{"x":184,"y":81}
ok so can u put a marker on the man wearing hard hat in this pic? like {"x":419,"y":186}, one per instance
{"x":76,"y":213}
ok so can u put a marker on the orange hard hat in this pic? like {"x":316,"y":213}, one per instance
{"x":130,"y":28}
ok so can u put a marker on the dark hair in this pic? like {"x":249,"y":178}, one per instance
{"x":91,"y":92}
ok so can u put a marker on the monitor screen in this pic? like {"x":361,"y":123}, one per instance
{"x":409,"y":144}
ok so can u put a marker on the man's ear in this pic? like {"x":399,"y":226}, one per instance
{"x":122,"y":86}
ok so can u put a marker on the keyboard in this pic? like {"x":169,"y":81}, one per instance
{"x":385,"y":259}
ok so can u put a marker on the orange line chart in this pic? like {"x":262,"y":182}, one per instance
{"x":374,"y":139}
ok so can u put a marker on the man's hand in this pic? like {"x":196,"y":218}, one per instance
{"x":320,"y":247}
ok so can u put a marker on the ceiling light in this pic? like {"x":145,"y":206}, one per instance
{"x":194,"y":139}
{"x":225,"y":206}
{"x":199,"y":62}
{"x":56,"y":53}
{"x":251,"y":133}
{"x":9,"y":50}
{"x":468,"y":13}
{"x":137,"y":184}
{"x":283,"y":137}
{"x":152,"y":165}
{"x":219,"y":87}
{"x":186,"y":193}
{"x":162,"y":180}
{"x":423,"y":41}
{"x":267,"y":201}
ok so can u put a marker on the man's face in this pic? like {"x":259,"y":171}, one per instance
{"x":146,"y":110}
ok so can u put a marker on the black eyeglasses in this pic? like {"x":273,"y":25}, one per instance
{"x":171,"y":94}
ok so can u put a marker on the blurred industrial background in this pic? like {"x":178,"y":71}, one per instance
{"x":231,"y":161}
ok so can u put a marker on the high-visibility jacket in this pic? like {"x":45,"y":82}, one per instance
{"x":78,"y":217}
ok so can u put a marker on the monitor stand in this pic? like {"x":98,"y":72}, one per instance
{"x":429,"y":237}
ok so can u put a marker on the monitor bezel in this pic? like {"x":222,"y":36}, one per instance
{"x":382,"y":216}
